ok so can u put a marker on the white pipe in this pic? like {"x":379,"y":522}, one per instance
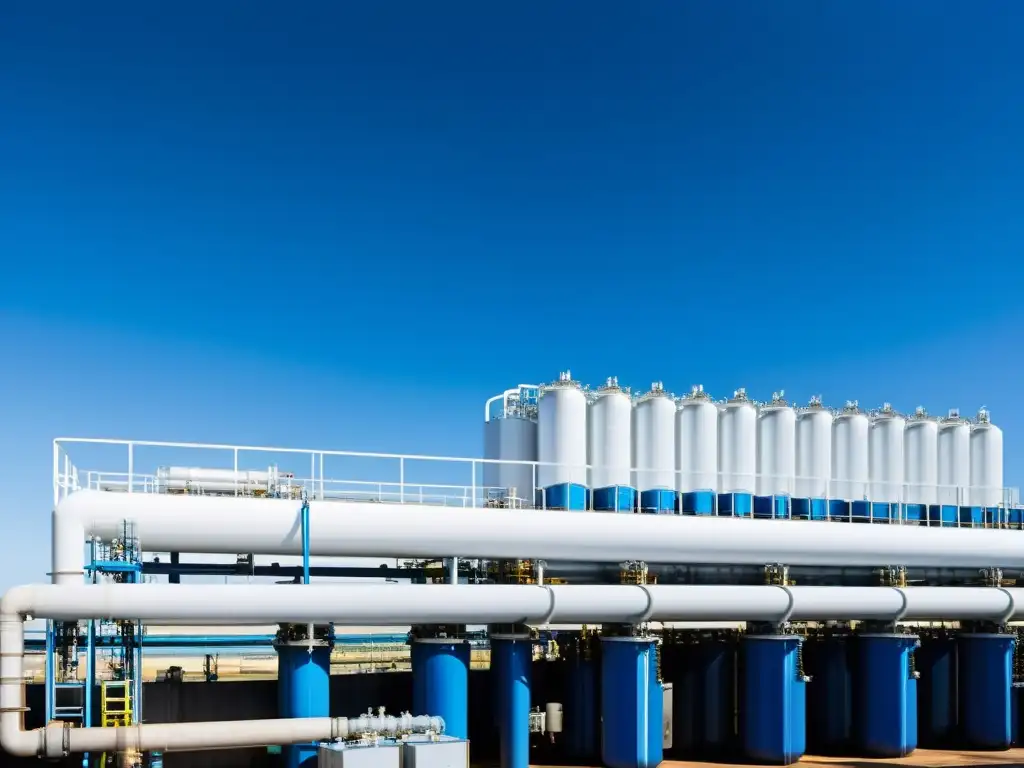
{"x":171,"y":523}
{"x":417,"y":604}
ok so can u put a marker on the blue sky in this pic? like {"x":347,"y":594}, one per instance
{"x":344,"y":227}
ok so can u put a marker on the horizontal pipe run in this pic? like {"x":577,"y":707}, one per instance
{"x":419,"y":604}
{"x":204,"y":524}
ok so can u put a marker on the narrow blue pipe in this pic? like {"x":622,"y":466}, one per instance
{"x":305,"y":542}
{"x":440,"y":683}
{"x":515,"y":656}
{"x":303,"y":680}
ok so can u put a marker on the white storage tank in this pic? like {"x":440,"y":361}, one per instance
{"x":850,"y":454}
{"x":737,"y":444}
{"x":562,"y":441}
{"x":776,"y":447}
{"x":510,"y":434}
{"x":696,"y":442}
{"x":986,"y":462}
{"x":813,"y":451}
{"x":921,"y":458}
{"x":654,"y":440}
{"x":954,"y":457}
{"x":609,"y":447}
{"x":885,"y":455}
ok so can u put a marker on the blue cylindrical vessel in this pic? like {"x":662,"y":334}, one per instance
{"x":809,"y":509}
{"x":772,"y":507}
{"x":617,"y":498}
{"x":304,"y":683}
{"x":886,"y":700}
{"x":937,"y":692}
{"x":735,"y":504}
{"x":697,"y":503}
{"x":515,"y":655}
{"x":658,"y":501}
{"x":563,"y":496}
{"x":773,"y":707}
{"x":915,"y":513}
{"x":838,"y":509}
{"x":581,"y":711}
{"x":830,"y":694}
{"x":440,"y":682}
{"x":943,"y":515}
{"x":631,"y":703}
{"x":986,"y":680}
{"x":972,"y":517}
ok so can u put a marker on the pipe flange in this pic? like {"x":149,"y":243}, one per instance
{"x":646,"y":615}
{"x":57,"y":740}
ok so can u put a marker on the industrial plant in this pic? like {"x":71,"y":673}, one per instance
{"x":622,"y":578}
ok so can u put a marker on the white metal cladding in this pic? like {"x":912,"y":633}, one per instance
{"x":986,"y":463}
{"x":850,"y":454}
{"x":921,"y":459}
{"x":562,"y":434}
{"x":697,"y":443}
{"x":511,"y":438}
{"x":954,"y":457}
{"x":776,"y":449}
{"x":813,"y":451}
{"x":737,"y":445}
{"x":654,"y":440}
{"x":885,"y":455}
{"x":609,"y":425}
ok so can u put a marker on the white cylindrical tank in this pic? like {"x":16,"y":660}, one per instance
{"x":986,"y":462}
{"x":954,"y":457}
{"x":813,"y":451}
{"x":921,"y":458}
{"x":610,"y":432}
{"x":737,"y":445}
{"x":654,"y":440}
{"x":511,"y":435}
{"x":562,"y":433}
{"x":776,"y":448}
{"x":850,"y":454}
{"x":696,"y":442}
{"x":885,"y":455}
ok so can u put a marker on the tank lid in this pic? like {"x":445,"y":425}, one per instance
{"x":739,"y":396}
{"x":851,"y":408}
{"x":920,"y":414}
{"x":564,"y":382}
{"x":657,"y":390}
{"x":610,"y":387}
{"x":697,"y":394}
{"x":777,"y":402}
{"x":952,"y":418}
{"x":983,"y":416}
{"x":886,"y":412}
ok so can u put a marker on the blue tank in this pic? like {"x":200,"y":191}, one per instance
{"x":915,"y":514}
{"x":582,"y":725}
{"x":942,"y":515}
{"x":304,"y":677}
{"x":658,"y":501}
{"x":440,"y":682}
{"x":972,"y":516}
{"x":995,"y":517}
{"x":828,"y":661}
{"x":631,"y":703}
{"x":838,"y":509}
{"x":563,"y":496}
{"x":735,"y":504}
{"x":515,"y":656}
{"x":935,"y":661}
{"x":986,"y":680}
{"x":773,"y":703}
{"x":1015,"y":517}
{"x":870,"y":511}
{"x":616,"y":498}
{"x":809,"y":509}
{"x":772,"y":507}
{"x":697,"y":503}
{"x":1015,"y":694}
{"x":886,"y":695}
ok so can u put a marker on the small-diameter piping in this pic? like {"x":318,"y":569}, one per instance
{"x":414,"y":604}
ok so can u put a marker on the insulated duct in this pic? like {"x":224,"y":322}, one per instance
{"x":417,"y":604}
{"x":173,"y":523}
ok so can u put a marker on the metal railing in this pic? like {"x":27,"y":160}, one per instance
{"x":389,"y":478}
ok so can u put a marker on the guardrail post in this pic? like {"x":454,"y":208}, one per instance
{"x":131,"y":466}
{"x":472,"y":499}
{"x":401,"y":480}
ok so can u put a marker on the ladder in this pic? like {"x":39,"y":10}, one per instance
{"x":116,"y":703}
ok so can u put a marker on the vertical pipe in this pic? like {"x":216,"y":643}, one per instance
{"x":304,"y":515}
{"x":515,"y":657}
{"x":90,"y":676}
{"x":174,"y":577}
{"x":51,"y":676}
{"x":440,"y":682}
{"x":453,"y":574}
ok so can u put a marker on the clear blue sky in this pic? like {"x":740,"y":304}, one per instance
{"x":346,"y":227}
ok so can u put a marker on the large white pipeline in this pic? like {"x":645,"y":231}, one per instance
{"x":170,"y":523}
{"x":418,"y":604}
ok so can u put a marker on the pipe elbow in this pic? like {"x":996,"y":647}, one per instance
{"x":17,"y":741}
{"x":16,"y":603}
